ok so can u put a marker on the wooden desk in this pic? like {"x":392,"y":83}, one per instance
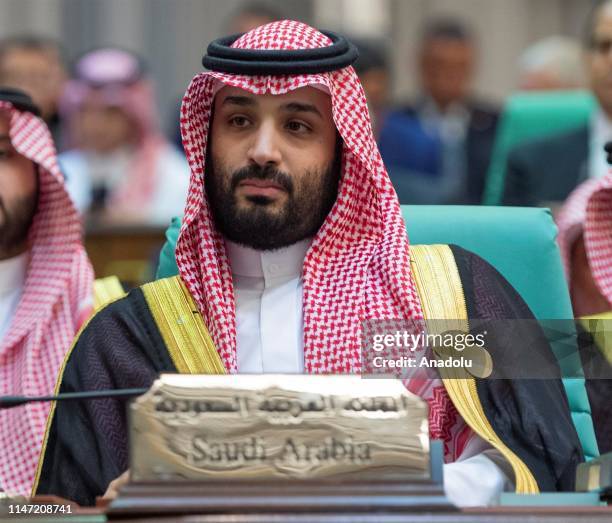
{"x":129,"y":252}
{"x":489,"y":515}
{"x":532,"y":514}
{"x":581,"y":515}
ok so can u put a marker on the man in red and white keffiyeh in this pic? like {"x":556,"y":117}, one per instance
{"x":45,"y":282}
{"x":585,"y":241}
{"x":292,"y":238}
{"x":357,"y":266}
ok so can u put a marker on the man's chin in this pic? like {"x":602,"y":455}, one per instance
{"x":261,"y":204}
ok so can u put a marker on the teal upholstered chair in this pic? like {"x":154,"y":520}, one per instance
{"x":520,"y":243}
{"x":530,"y":115}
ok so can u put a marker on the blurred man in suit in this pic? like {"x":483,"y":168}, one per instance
{"x":546,"y":170}
{"x":372,"y":68}
{"x":438,"y":149}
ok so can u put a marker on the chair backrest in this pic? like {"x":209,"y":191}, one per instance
{"x":521,"y":244}
{"x":530,"y":115}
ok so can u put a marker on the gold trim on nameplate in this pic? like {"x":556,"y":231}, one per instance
{"x":106,"y":290}
{"x":274,"y":427}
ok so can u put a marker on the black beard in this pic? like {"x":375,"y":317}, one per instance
{"x":15,"y":223}
{"x":308,"y":204}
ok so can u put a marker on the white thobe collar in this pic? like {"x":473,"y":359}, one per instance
{"x":109,"y":169}
{"x":12,"y":279}
{"x":601,"y":132}
{"x":13,"y":273}
{"x":268,"y":298}
{"x":273,"y":266}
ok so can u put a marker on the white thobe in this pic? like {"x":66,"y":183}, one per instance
{"x":269,"y":328}
{"x":601,"y":133}
{"x":12,"y":278}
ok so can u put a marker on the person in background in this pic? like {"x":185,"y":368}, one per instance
{"x":438,"y":149}
{"x":251,"y":15}
{"x":36,"y":65}
{"x":552,"y":63}
{"x":585,"y":224}
{"x":46,"y":281}
{"x":119,"y":168}
{"x":372,"y":68}
{"x":248,"y":16}
{"x":548,"y":169}
{"x":585,"y":242}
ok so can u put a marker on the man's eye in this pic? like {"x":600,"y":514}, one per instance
{"x":5,"y":153}
{"x":297,"y":127}
{"x":239,"y":121}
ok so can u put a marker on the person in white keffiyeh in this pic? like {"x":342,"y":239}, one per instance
{"x":292,"y":238}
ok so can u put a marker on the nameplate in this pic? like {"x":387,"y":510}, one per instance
{"x":271,"y":427}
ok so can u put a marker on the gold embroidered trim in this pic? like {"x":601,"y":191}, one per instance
{"x":106,"y":290}
{"x":182,"y":328}
{"x":190,"y":346}
{"x":596,"y":325}
{"x":441,"y":293}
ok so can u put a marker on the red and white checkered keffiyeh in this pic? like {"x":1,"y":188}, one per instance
{"x":358,"y":267}
{"x":588,"y":211}
{"x":56,"y":298}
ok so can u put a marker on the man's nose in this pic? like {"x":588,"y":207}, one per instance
{"x":265,"y":147}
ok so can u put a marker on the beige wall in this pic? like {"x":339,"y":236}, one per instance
{"x":172,"y":34}
{"x":503,"y":28}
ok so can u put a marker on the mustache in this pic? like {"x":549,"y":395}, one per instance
{"x":268,"y":172}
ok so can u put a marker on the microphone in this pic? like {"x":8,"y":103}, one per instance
{"x":9,"y":402}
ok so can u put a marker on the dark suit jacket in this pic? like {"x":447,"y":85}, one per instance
{"x":547,"y":169}
{"x":480,"y":139}
{"x":478,"y":147}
